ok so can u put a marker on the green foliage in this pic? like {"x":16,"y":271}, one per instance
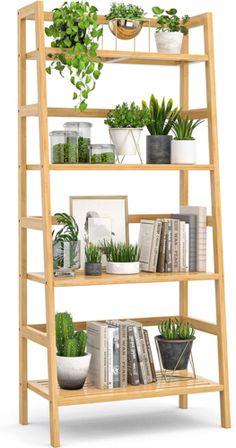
{"x":169,"y":21}
{"x":81,"y":338}
{"x":162,"y":116}
{"x":93,"y":254}
{"x":69,"y":231}
{"x":175,"y":330}
{"x":64,"y":331}
{"x":120,"y":252}
{"x":122,"y":11}
{"x":183,"y":128}
{"x":71,"y":347}
{"x":124,"y":116}
{"x":76,"y":31}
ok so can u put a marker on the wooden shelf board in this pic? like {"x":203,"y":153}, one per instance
{"x":90,"y":394}
{"x":122,"y":167}
{"x":110,"y":279}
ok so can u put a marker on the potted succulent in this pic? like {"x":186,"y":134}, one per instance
{"x":183,"y":146}
{"x":170,"y":30}
{"x":122,"y":258}
{"x":66,"y":246}
{"x":75,"y":31}
{"x":72,"y":360}
{"x":162,"y":116}
{"x":125,"y":21}
{"x":175,"y":344}
{"x":93,"y":260}
{"x":126,"y":123}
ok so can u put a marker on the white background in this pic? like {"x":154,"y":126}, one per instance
{"x":154,"y":421}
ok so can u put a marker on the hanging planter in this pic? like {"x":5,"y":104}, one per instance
{"x":125,"y":21}
{"x":183,"y":146}
{"x":170,"y":30}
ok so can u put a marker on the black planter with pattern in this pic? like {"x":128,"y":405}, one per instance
{"x":158,"y":149}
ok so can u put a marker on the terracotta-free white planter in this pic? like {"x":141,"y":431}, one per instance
{"x":72,"y":371}
{"x":183,"y":151}
{"x":122,"y":268}
{"x":125,"y":140}
{"x":169,"y":42}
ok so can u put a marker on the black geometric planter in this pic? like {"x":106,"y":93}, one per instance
{"x":93,"y":268}
{"x":174,"y":353}
{"x":158,"y":149}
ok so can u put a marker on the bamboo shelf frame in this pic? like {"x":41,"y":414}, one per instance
{"x":44,"y":334}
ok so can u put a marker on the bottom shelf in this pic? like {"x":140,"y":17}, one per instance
{"x":90,"y":394}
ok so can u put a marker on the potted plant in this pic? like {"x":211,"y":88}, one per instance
{"x":170,"y":30}
{"x":66,"y":246}
{"x":175,"y":344}
{"x":75,"y":31}
{"x":122,"y":258}
{"x":183,"y":146}
{"x":72,"y":360}
{"x":162,"y":116}
{"x":126,"y":123}
{"x":93,"y":260}
{"x":125,"y":21}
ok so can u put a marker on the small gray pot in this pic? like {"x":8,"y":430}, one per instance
{"x":171,"y":351}
{"x":93,"y":268}
{"x":158,"y":149}
{"x":72,"y":371}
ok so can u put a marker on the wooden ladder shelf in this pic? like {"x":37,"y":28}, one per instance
{"x":45,"y":334}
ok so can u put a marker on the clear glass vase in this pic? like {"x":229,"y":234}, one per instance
{"x":66,"y":257}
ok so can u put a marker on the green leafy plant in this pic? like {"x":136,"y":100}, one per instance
{"x":183,"y":128}
{"x":124,"y":116}
{"x":167,"y":20}
{"x":175,"y":329}
{"x":67,"y":235}
{"x":122,"y":11}
{"x":69,"y":342}
{"x":120,"y":252}
{"x":69,"y":231}
{"x":76,"y":31}
{"x":162,"y":116}
{"x":93,"y":254}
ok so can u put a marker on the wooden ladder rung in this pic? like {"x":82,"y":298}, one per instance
{"x":29,"y":110}
{"x":35,"y":223}
{"x":35,"y":335}
{"x":196,"y":113}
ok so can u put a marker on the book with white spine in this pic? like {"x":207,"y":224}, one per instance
{"x":97,"y":342}
{"x":110,"y":357}
{"x":182,"y":246}
{"x":187,"y":247}
{"x":201,"y":233}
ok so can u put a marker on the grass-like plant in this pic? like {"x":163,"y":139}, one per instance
{"x":122,"y":11}
{"x":162,"y":116}
{"x":120,"y":252}
{"x":175,"y":330}
{"x":69,"y":231}
{"x":183,"y":128}
{"x":93,"y":254}
{"x":125,"y":116}
{"x":68,"y":341}
{"x":167,"y":20}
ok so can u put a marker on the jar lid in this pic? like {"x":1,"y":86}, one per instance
{"x":77,"y":124}
{"x":57,"y":133}
{"x":103,"y":146}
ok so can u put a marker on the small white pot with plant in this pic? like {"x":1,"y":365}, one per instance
{"x":122,"y":258}
{"x":183,"y":146}
{"x":170,"y":30}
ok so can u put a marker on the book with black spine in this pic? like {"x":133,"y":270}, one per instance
{"x":143,"y":359}
{"x":149,"y":350}
{"x":155,"y":246}
{"x":192,"y":221}
{"x":168,"y":252}
{"x":162,"y":249}
{"x":133,"y":372}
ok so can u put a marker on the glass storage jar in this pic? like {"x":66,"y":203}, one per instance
{"x":64,"y":147}
{"x":84,"y":138}
{"x":102,"y":153}
{"x":66,"y":257}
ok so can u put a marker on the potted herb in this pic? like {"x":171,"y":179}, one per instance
{"x":125,"y":21}
{"x":72,"y":360}
{"x":126,"y":123}
{"x":175,"y":344}
{"x":93,"y":260}
{"x":122,"y":258}
{"x":75,"y":31}
{"x":162,"y":116}
{"x":170,"y":30}
{"x":66,"y":246}
{"x":183,"y":146}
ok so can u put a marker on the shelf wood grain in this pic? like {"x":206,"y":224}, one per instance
{"x":121,"y":167}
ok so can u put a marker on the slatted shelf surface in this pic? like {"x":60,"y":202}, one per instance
{"x":122,"y":167}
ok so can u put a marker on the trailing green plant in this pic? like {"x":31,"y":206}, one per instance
{"x":183,"y":128}
{"x":120,"y":252}
{"x":68,"y":341}
{"x":175,"y":329}
{"x":125,"y":116}
{"x":69,"y":231}
{"x":162,"y":116}
{"x":122,"y":11}
{"x":167,"y":20}
{"x":76,"y":31}
{"x":93,"y":254}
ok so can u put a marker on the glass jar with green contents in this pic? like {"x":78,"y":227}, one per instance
{"x":102,"y":154}
{"x":64,"y":147}
{"x":84,"y":138}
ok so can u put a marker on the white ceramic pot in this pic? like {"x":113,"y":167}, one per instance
{"x":72,"y":371}
{"x":125,"y":140}
{"x":183,"y":151}
{"x":122,"y":268}
{"x":169,"y":42}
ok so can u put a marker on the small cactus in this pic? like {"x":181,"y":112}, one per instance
{"x":71,"y":347}
{"x":81,"y":338}
{"x":64,"y":331}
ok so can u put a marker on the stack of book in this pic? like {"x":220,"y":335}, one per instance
{"x":121,"y":354}
{"x":178,"y":244}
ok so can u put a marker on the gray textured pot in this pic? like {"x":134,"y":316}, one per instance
{"x":172,"y":350}
{"x":93,"y":268}
{"x":72,"y":371}
{"x":158,"y":148}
